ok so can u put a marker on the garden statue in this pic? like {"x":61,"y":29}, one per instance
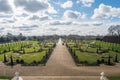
{"x":102,"y":76}
{"x":17,"y":77}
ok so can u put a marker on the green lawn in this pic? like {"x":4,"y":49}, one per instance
{"x":5,"y":78}
{"x":85,"y":51}
{"x":28,"y":51}
{"x":29,"y":58}
{"x":90,"y":58}
{"x":114,"y":78}
{"x":111,"y":46}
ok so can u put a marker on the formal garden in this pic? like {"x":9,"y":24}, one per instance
{"x":26,"y":52}
{"x":93,"y":52}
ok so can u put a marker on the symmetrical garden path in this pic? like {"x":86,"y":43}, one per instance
{"x":60,"y":66}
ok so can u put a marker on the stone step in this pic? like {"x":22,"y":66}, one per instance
{"x":60,"y":78}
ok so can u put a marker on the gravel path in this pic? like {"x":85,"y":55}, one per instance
{"x":60,"y":64}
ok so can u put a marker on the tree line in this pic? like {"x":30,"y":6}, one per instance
{"x":10,"y":38}
{"x":114,"y":34}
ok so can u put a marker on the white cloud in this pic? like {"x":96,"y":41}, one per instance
{"x":31,"y":5}
{"x":67,"y":4}
{"x":4,"y":15}
{"x":83,"y":16}
{"x":105,"y":12}
{"x":25,"y":27}
{"x":73,"y":15}
{"x":60,"y":23}
{"x":34,"y":6}
{"x":86,"y":3}
{"x":34,"y":17}
{"x":30,"y":18}
{"x":51,"y":10}
{"x":69,"y":14}
{"x":5,"y":7}
{"x":43,"y":17}
{"x":88,"y":23}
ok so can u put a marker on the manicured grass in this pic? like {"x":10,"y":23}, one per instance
{"x":89,"y":49}
{"x":111,"y":46}
{"x":5,"y":78}
{"x":29,"y":58}
{"x":87,"y":52}
{"x":10,"y":46}
{"x":28,"y":51}
{"x":114,"y":78}
{"x":90,"y":58}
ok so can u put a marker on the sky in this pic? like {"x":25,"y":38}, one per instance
{"x":61,"y":17}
